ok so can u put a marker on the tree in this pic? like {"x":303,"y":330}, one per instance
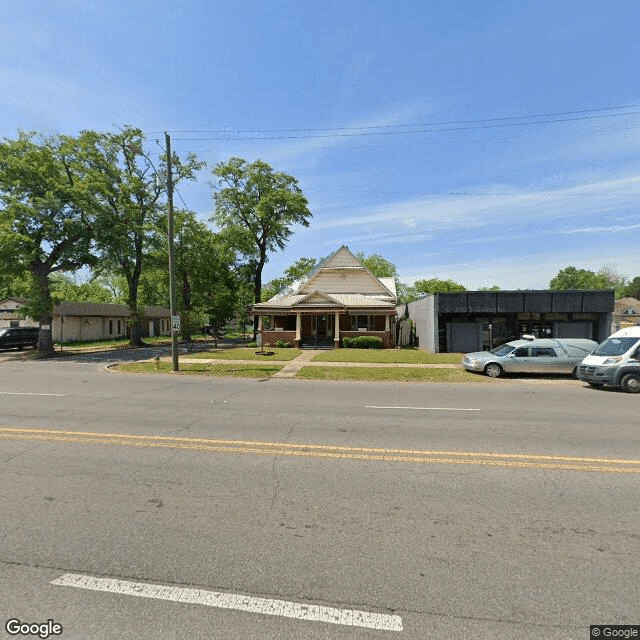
{"x":131,"y":188}
{"x":49,"y":210}
{"x":297,"y":270}
{"x":380,"y":267}
{"x":259,"y":208}
{"x":572,"y":278}
{"x":632,"y":289}
{"x":65,"y":289}
{"x":206,"y":284}
{"x":435,"y":285}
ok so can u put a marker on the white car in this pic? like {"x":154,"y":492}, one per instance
{"x":531,"y":355}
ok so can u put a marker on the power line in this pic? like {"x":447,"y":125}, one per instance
{"x":404,"y":129}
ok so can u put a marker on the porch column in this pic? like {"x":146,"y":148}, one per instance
{"x":336,"y":338}
{"x":298,"y":329}
{"x":387,"y":328}
{"x":259,"y":340}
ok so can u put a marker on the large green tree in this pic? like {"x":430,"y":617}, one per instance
{"x":132,"y":194}
{"x":420,"y":288}
{"x":573,"y":278}
{"x":206,"y":283}
{"x":66,"y":289}
{"x":380,"y":267}
{"x":48,"y":214}
{"x":258,"y":208}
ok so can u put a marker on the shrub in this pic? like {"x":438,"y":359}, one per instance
{"x":362,"y":342}
{"x":252,"y":344}
{"x":282,"y":344}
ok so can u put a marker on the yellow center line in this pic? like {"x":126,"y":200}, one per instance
{"x":256,"y":447}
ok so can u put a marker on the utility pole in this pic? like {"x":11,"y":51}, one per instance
{"x":175,"y":319}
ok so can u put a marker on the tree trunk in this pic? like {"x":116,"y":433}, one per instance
{"x":45,"y":307}
{"x":258,"y":286}
{"x":136,"y":316}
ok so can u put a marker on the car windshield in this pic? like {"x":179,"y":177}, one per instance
{"x":502,"y":350}
{"x":614,"y":346}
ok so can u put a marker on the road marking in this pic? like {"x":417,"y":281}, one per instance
{"x":327,"y":451}
{"x":239,"y":602}
{"x":19,"y":393}
{"x":423,"y":408}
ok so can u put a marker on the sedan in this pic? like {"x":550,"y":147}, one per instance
{"x":531,"y":355}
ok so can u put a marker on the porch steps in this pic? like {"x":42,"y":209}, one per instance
{"x":317,"y":342}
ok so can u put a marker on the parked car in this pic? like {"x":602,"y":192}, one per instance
{"x":531,"y":355}
{"x":615,"y":362}
{"x":19,"y":337}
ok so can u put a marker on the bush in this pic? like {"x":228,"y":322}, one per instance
{"x":362,"y":342}
{"x":282,"y":344}
{"x":252,"y":344}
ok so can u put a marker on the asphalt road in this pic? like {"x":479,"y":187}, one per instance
{"x":186,"y":507}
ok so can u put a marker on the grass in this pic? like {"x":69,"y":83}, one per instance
{"x":389,"y":356}
{"x":400,"y":374}
{"x":248,"y":353}
{"x":235,"y":370}
{"x":115,"y":343}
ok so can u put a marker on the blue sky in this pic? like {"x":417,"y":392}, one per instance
{"x":490,"y":143}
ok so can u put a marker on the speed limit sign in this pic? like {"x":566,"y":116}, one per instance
{"x":175,"y":323}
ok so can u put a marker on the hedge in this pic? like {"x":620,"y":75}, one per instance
{"x":362,"y":342}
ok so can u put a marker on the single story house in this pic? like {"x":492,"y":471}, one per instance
{"x":86,"y":321}
{"x":339,"y":298}
{"x":477,"y":320}
{"x":9,"y":316}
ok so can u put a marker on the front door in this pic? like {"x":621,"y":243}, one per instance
{"x":324,"y":325}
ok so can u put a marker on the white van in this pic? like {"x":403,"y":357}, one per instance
{"x":614,"y":362}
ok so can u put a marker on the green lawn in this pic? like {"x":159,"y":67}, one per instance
{"x":396,"y":356}
{"x":248,"y":353}
{"x":236,"y":370}
{"x":400,"y":374}
{"x":119,"y":343}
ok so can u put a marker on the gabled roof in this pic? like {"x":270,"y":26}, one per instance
{"x":340,"y":280}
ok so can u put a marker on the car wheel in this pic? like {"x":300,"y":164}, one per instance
{"x":630,"y":383}
{"x":493,"y":370}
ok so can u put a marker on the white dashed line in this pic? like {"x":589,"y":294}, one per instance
{"x":425,"y":408}
{"x":239,"y":602}
{"x":19,"y":393}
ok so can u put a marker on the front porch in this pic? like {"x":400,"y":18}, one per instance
{"x":323,"y":330}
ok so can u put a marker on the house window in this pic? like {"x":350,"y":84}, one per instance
{"x":110,"y":327}
{"x":362,"y":322}
{"x":118,"y":327}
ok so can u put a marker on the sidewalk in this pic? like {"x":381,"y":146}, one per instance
{"x":305,"y":359}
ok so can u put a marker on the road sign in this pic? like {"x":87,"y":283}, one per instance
{"x":175,"y":323}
